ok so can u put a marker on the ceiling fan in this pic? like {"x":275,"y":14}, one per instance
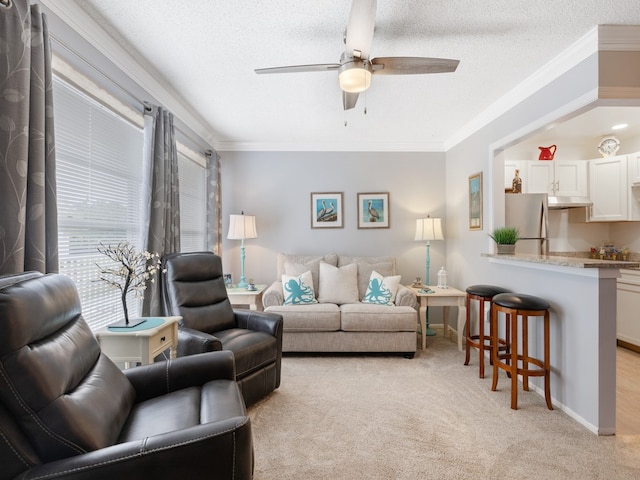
{"x":356,"y":67}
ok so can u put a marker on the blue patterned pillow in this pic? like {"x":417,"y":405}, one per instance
{"x":298,"y":290}
{"x":382,"y":290}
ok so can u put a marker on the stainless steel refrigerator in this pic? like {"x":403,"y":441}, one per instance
{"x":530,"y":213}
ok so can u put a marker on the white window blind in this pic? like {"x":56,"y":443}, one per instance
{"x":193,"y":204}
{"x":99,"y":178}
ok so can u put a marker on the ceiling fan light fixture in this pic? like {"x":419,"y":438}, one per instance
{"x":354,"y":77}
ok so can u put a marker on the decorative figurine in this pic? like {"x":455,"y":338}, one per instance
{"x":516,"y":183}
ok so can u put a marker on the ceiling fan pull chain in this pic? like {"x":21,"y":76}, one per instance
{"x":365,"y":102}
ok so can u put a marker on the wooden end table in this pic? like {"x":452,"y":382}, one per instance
{"x":140,"y":344}
{"x":441,"y":297}
{"x":242,"y":296}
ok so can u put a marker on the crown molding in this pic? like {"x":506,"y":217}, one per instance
{"x":135,"y":67}
{"x":584,"y":47}
{"x":618,"y":38}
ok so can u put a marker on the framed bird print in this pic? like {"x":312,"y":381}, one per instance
{"x":475,"y":201}
{"x":373,"y":210}
{"x":326,"y":210}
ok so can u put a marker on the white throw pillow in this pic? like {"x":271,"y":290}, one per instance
{"x":298,"y":290}
{"x":338,"y":285}
{"x":382,"y":290}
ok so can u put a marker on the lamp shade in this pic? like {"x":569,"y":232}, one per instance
{"x":429,"y":229}
{"x":241,"y":227}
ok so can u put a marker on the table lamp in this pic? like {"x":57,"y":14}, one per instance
{"x":240,"y":227}
{"x":428,"y":229}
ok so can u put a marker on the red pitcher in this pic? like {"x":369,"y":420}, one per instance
{"x":547,"y":153}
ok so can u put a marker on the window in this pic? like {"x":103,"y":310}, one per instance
{"x":99,"y":176}
{"x":193,"y":204}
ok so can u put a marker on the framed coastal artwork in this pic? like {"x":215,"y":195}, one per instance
{"x":326,"y":210}
{"x":475,"y":201}
{"x":373,"y":210}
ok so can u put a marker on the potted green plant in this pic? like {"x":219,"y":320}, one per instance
{"x":505,"y":238}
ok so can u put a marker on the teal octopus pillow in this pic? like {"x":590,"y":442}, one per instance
{"x":298,"y":290}
{"x":381,"y":290}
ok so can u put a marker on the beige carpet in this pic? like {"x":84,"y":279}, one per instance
{"x":387,"y":417}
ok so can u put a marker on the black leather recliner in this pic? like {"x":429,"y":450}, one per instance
{"x":66,"y":410}
{"x":193,"y":287}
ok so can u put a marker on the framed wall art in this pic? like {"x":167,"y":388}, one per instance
{"x":475,"y":201}
{"x":326,"y":210}
{"x":373,"y":210}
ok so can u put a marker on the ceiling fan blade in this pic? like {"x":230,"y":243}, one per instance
{"x":319,"y":67}
{"x":412,"y":65}
{"x":360,"y":28}
{"x":349,"y":100}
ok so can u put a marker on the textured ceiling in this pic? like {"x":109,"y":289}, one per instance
{"x":208,"y":49}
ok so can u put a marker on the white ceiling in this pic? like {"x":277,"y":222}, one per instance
{"x":207,"y":51}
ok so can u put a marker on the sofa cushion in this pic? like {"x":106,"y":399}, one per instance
{"x":317,"y":317}
{"x":298,"y":289}
{"x":298,"y":264}
{"x":385,"y":266}
{"x":369,"y":317}
{"x":381,"y":290}
{"x":338,"y":285}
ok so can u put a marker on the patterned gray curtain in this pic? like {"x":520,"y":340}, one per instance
{"x":214,"y":208}
{"x":162,"y":190}
{"x":28,"y":212}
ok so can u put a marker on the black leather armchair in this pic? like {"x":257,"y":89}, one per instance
{"x":66,"y":411}
{"x":193,"y":287}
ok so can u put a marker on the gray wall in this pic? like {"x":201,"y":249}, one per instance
{"x":476,"y":153}
{"x":276,"y":188}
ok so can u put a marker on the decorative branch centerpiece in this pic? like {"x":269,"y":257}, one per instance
{"x":132,"y":271}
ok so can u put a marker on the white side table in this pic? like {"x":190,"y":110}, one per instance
{"x":140,"y":344}
{"x":242,"y":296}
{"x":441,"y":297}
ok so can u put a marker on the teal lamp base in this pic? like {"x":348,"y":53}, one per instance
{"x":243,"y":281}
{"x":429,"y":332}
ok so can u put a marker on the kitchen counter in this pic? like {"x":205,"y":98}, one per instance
{"x":575,"y":262}
{"x":582,"y":293}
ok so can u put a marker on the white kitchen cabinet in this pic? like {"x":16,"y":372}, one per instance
{"x":633,"y":184}
{"x":628,"y":320}
{"x":558,"y":177}
{"x":510,"y":167}
{"x":539,"y":176}
{"x":609,"y":189}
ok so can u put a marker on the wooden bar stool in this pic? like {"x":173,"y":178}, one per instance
{"x":481,"y":293}
{"x":518,"y":362}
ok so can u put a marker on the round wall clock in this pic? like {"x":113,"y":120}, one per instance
{"x":608,"y":146}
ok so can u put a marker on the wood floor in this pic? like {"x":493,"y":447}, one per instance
{"x":627,"y":392}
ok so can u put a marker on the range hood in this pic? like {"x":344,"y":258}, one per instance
{"x":565,"y":201}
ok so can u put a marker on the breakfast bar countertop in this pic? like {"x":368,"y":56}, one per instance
{"x":563,"y":261}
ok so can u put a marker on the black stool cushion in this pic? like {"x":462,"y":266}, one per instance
{"x":485,"y":290}
{"x":520,"y":301}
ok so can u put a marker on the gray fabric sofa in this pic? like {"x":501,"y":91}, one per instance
{"x":343,"y":327}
